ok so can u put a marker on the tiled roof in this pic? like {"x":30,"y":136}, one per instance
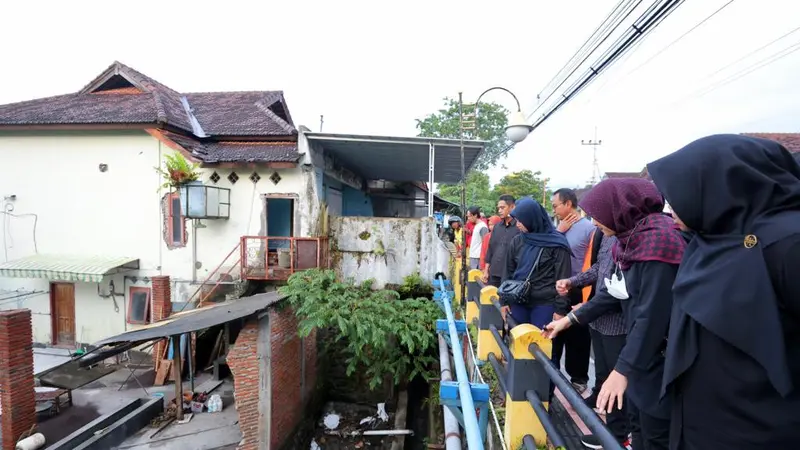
{"x":122,"y":95}
{"x":213,"y":152}
{"x":789,"y":140}
{"x":641,"y":174}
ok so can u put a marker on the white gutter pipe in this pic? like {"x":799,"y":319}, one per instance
{"x":452,"y":433}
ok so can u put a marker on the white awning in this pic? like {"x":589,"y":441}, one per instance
{"x":90,"y":269}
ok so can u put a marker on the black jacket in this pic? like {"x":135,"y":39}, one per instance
{"x":647,"y":314}
{"x":554,"y":265}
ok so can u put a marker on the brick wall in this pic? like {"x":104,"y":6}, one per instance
{"x":288,"y":393}
{"x":287,"y":397}
{"x":162,"y":308}
{"x":16,"y":376}
{"x":243,"y":362}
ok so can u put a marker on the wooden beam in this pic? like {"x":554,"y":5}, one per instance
{"x":177,"y":367}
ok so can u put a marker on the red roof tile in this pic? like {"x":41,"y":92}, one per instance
{"x":789,"y":140}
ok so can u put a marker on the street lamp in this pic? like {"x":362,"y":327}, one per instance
{"x":517,"y":130}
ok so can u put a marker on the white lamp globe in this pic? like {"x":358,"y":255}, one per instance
{"x":518,"y":128}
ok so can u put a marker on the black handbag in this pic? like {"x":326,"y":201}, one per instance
{"x":516,"y":291}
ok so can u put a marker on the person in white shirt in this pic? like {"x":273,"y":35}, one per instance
{"x":479,"y":230}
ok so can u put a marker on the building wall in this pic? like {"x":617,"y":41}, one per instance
{"x":66,"y":205}
{"x":386,"y":249}
{"x":274,"y":373}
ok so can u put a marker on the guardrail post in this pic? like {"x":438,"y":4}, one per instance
{"x":456,"y":279}
{"x":525,"y":374}
{"x":488,"y":315}
{"x":473,"y":295}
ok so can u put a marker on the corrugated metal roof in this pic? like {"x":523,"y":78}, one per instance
{"x":399,"y":158}
{"x":197,"y":319}
{"x":90,"y":269}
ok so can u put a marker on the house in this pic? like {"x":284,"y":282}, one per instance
{"x":87,"y":222}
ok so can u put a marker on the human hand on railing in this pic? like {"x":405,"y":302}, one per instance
{"x":552,"y":329}
{"x":563,"y":287}
{"x":612,"y":392}
{"x":485,"y":276}
{"x":504,"y":310}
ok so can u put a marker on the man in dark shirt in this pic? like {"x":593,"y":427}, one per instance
{"x":498,"y":242}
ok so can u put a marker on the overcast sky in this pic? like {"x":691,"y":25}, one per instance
{"x":373,"y":67}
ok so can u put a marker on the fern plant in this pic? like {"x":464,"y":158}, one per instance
{"x":384,"y":334}
{"x":177,"y":171}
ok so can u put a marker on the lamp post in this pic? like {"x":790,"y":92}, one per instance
{"x":516,"y":131}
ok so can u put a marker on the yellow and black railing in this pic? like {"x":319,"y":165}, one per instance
{"x":521,"y":359}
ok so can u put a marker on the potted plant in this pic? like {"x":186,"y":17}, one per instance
{"x":181,"y":175}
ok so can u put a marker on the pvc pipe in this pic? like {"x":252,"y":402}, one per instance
{"x":474,"y":441}
{"x":31,"y":442}
{"x":452,"y":432}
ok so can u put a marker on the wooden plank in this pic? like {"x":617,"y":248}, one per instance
{"x":208,"y":386}
{"x":163,"y":370}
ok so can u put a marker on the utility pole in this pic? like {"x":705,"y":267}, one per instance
{"x":595,"y":166}
{"x":321,"y":122}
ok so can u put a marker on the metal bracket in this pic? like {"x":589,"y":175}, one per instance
{"x":449,"y":397}
{"x":441,"y":326}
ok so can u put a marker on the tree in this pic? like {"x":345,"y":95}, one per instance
{"x":521,"y":184}
{"x":479,"y":193}
{"x":491,"y":127}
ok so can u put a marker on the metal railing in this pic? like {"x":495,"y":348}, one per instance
{"x":475,"y":432}
{"x":527,"y":373}
{"x":277,"y":258}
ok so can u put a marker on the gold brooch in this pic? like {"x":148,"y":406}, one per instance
{"x":750,"y":241}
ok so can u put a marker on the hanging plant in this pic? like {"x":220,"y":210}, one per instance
{"x":178,"y":171}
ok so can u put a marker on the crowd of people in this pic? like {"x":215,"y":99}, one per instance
{"x":694,"y":315}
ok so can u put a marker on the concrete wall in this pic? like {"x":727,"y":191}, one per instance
{"x":386,"y":249}
{"x":66,"y":205}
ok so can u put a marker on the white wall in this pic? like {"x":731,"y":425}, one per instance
{"x":83,"y":211}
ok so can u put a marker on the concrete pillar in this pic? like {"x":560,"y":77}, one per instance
{"x":16,"y":375}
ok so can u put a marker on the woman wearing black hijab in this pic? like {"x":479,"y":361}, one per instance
{"x":733,"y":352}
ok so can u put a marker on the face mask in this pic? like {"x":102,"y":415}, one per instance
{"x":616,"y":285}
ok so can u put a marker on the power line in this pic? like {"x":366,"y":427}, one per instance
{"x":688,"y":32}
{"x":648,"y":21}
{"x":577,"y":65}
{"x":768,"y":44}
{"x":578,"y":51}
{"x":775,"y":57}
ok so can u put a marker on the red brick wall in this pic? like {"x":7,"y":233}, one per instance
{"x":16,"y":375}
{"x":162,"y":308}
{"x":243,"y":362}
{"x":288,"y":399}
{"x":311,"y":364}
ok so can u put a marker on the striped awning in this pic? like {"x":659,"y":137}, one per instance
{"x":90,"y":269}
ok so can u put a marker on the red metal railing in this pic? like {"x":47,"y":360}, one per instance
{"x":197,"y":297}
{"x":277,"y":258}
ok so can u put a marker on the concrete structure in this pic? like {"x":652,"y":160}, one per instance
{"x":386,"y":250}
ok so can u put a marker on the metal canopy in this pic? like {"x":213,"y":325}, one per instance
{"x":197,"y":319}
{"x":400,"y":159}
{"x":90,"y":269}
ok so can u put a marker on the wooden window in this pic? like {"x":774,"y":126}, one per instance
{"x":139,"y":305}
{"x":175,"y":229}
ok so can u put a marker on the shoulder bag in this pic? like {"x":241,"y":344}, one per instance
{"x":516,"y":291}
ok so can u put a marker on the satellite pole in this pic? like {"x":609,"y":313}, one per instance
{"x":595,"y":166}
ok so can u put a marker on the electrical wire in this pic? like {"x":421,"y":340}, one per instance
{"x":648,"y":21}
{"x":681,"y":37}
{"x":7,"y":224}
{"x":586,"y":57}
{"x":580,"y":49}
{"x":19,"y":297}
{"x":773,"y":58}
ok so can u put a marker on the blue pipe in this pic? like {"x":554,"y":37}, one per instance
{"x":474,"y":441}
